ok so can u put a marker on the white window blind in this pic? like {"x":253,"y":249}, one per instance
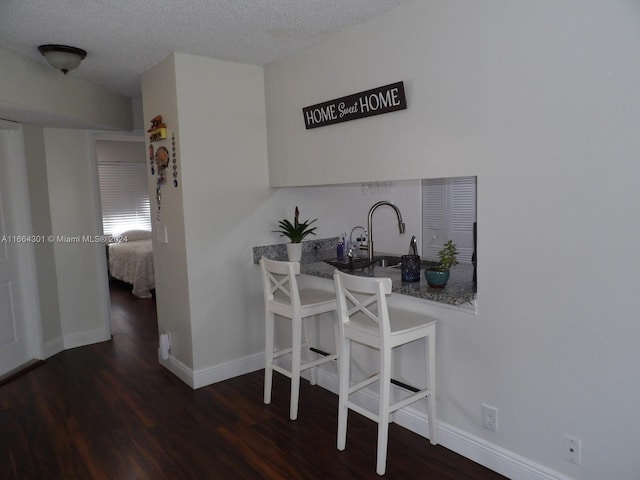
{"x":124,"y":197}
{"x":448,"y":213}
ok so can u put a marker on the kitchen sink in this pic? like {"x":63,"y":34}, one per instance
{"x":348,"y":264}
{"x":386,"y":260}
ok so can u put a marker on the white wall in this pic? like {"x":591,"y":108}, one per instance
{"x":223,"y":153}
{"x":41,"y":218}
{"x":208,"y":290}
{"x":121,"y":151}
{"x":34,"y":93}
{"x":170,"y":263}
{"x":216,"y":111}
{"x":339,"y":208}
{"x":540,"y":101}
{"x":72,"y":277}
{"x":80,"y":268}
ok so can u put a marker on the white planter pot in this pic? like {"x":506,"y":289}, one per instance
{"x":294,"y":252}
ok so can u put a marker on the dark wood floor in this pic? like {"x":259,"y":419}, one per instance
{"x":110,"y":411}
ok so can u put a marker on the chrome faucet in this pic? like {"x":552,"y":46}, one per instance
{"x":350,"y":252}
{"x":370,"y":226}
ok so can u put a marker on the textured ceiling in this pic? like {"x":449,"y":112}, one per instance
{"x":124,"y":38}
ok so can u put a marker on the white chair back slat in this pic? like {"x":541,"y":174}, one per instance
{"x":281,"y":278}
{"x":364,"y":295}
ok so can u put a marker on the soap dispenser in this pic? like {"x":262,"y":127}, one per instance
{"x":340,"y":250}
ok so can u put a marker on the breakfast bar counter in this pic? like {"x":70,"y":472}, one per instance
{"x":459,"y":290}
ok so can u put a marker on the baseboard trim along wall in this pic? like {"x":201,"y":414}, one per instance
{"x":178,"y":368}
{"x":492,"y":456}
{"x":80,"y":339}
{"x":215,"y":374}
{"x":228,"y":370}
{"x":487,"y":454}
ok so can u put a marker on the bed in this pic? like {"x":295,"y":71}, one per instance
{"x":131,"y":261}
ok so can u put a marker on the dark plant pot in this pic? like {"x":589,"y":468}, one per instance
{"x":436,"y":278}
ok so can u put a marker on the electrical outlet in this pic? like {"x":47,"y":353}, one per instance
{"x":572,"y":449}
{"x":489,"y":418}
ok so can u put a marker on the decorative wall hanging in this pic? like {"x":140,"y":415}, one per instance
{"x":162,"y":162}
{"x":376,"y":101}
{"x":158,"y":130}
{"x":174,"y":160}
{"x":159,"y":158}
{"x":151,"y":159}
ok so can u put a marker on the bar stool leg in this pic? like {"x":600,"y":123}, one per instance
{"x":309,"y":327}
{"x":383,"y":411}
{"x":431,"y":399}
{"x":336,"y":338}
{"x":268,"y":355}
{"x":343,"y":411}
{"x":296,"y":354}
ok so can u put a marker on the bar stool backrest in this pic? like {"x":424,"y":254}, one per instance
{"x":363,"y":300}
{"x":280,"y":286}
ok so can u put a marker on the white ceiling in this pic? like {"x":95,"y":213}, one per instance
{"x":124,"y":38}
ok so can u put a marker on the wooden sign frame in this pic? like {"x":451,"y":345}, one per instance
{"x":385,"y":99}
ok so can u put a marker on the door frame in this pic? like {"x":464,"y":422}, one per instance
{"x":20,"y":214}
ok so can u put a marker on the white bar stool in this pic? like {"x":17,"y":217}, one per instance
{"x":364,"y":317}
{"x":282,"y":297}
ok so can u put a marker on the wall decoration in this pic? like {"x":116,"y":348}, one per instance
{"x":376,"y":101}
{"x":151,"y":158}
{"x":162,"y":162}
{"x":160,"y":156}
{"x":174,"y":160}
{"x":158,"y":130}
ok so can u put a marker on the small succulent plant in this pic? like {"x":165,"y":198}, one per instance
{"x":448,"y":256}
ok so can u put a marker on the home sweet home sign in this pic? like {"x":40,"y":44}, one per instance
{"x":376,"y":101}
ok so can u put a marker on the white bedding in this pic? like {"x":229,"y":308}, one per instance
{"x":132,"y":262}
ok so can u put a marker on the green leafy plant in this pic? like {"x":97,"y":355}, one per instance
{"x":448,"y":256}
{"x":295,"y":231}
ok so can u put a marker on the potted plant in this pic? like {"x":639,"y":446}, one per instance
{"x":295,"y":232}
{"x":438,"y":275}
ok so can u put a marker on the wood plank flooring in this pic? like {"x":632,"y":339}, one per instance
{"x":110,"y":411}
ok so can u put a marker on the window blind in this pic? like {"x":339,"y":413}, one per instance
{"x":124,"y":197}
{"x":448,"y":213}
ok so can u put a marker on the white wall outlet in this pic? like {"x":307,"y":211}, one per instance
{"x":571,"y":449}
{"x":489,"y":418}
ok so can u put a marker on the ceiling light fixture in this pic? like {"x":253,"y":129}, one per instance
{"x":62,"y":57}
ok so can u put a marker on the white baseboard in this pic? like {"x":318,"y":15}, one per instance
{"x":215,"y":374}
{"x":487,"y":454}
{"x":52,"y":347}
{"x":88,"y":337}
{"x":228,"y":370}
{"x":79,"y":339}
{"x":492,"y":456}
{"x":178,"y":368}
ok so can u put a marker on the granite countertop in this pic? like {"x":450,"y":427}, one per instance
{"x":458,"y":291}
{"x":459,"y":288}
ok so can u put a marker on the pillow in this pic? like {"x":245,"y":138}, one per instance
{"x":131,"y":236}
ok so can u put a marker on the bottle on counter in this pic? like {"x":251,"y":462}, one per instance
{"x":340,"y":250}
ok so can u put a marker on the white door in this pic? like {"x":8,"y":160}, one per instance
{"x":20,"y":336}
